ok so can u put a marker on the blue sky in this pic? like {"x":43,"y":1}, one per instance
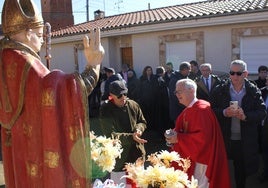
{"x":113,"y":7}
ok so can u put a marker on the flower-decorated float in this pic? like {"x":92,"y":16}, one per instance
{"x":159,"y":173}
{"x":154,"y":172}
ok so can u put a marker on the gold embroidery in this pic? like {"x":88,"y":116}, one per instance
{"x":11,"y":70}
{"x":48,"y":98}
{"x":11,"y":73}
{"x":75,"y":133}
{"x":27,"y":130}
{"x":32,"y":169}
{"x":76,"y":184}
{"x":8,"y":142}
{"x":51,"y":159}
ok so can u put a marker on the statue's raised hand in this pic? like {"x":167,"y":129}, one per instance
{"x":93,"y":49}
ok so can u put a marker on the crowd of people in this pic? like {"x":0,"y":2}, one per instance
{"x":243,"y":131}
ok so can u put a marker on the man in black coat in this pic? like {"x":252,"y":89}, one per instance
{"x":175,"y":108}
{"x":261,"y":84}
{"x":122,"y":118}
{"x":111,"y":76}
{"x":195,"y":72}
{"x":207,"y":82}
{"x":262,"y":74}
{"x":168,"y":72}
{"x":239,"y":124}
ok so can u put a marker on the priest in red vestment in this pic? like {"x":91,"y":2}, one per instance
{"x":199,"y":139}
{"x":43,"y":113}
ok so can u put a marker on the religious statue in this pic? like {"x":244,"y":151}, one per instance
{"x":43,"y":113}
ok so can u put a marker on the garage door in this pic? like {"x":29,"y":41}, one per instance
{"x":177,"y":52}
{"x":254,"y":51}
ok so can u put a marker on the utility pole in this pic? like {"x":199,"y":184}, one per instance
{"x":104,"y":6}
{"x":117,"y":5}
{"x":87,"y":8}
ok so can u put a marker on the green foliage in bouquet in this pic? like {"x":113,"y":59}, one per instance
{"x":97,"y":172}
{"x":104,"y":152}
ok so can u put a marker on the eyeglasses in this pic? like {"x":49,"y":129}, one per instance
{"x":237,"y":73}
{"x":178,"y":92}
{"x":121,"y":95}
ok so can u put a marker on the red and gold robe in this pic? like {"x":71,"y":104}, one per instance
{"x":43,"y":115}
{"x":200,"y":139}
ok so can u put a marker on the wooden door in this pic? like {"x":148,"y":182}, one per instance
{"x":127,"y":56}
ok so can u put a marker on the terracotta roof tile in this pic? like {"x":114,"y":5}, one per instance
{"x":182,"y":12}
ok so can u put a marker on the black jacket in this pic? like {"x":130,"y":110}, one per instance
{"x":202,"y":92}
{"x":112,"y":78}
{"x":175,"y":108}
{"x":122,"y":122}
{"x":254,"y":109}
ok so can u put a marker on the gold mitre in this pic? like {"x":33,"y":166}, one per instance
{"x":18,"y":15}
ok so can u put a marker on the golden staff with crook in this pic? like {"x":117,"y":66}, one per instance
{"x":48,"y":43}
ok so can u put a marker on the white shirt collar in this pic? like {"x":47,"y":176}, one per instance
{"x":206,"y":78}
{"x":192,"y":103}
{"x":232,"y":88}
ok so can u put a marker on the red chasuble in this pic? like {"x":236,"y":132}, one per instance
{"x":200,"y":139}
{"x":43,"y":115}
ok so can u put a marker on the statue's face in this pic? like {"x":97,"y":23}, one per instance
{"x":35,"y":39}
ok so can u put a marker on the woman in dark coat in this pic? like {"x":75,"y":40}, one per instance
{"x":148,"y":83}
{"x":133,"y":86}
{"x":162,"y":120}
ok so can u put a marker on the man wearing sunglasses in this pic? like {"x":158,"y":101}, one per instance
{"x":122,"y":117}
{"x":239,"y":125}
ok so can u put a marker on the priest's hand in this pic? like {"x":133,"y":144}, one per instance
{"x":93,"y":50}
{"x":137,"y":137}
{"x":172,"y":139}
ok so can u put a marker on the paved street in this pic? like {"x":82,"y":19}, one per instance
{"x":2,"y":181}
{"x":156,"y":143}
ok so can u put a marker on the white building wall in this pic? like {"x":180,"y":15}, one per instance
{"x":218,"y":47}
{"x":145,"y":46}
{"x":62,"y":57}
{"x":105,"y":44}
{"x":114,"y":59}
{"x":145,"y":51}
{"x":217,"y":44}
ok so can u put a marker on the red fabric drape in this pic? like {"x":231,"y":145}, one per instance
{"x":47,"y":119}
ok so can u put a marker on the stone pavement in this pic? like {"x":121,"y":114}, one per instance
{"x":156,"y":143}
{"x":2,"y":181}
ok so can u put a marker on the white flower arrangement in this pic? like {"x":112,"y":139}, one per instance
{"x":159,"y":173}
{"x":104,"y":151}
{"x":107,"y":184}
